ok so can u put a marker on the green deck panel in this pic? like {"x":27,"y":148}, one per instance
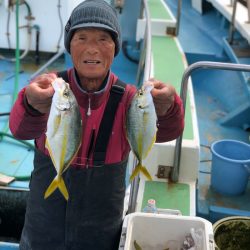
{"x":157,"y":10}
{"x":169,"y":67}
{"x":168,"y":196}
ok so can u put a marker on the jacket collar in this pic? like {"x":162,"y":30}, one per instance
{"x":91,"y":100}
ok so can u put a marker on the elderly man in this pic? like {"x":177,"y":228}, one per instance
{"x":92,"y":217}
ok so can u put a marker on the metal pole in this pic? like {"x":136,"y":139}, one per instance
{"x":135,"y":183}
{"x":178,"y":18}
{"x":183,"y":95}
{"x":231,"y":28}
{"x":248,"y":11}
{"x":53,"y":59}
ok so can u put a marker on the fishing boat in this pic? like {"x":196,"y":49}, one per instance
{"x":199,"y":46}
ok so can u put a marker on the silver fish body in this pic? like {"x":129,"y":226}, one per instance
{"x":141,"y":127}
{"x":64,"y":129}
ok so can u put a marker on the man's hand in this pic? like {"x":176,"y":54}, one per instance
{"x":40,"y":91}
{"x":163,"y":96}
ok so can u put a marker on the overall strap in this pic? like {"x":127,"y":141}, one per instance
{"x":63,"y":75}
{"x":105,"y":129}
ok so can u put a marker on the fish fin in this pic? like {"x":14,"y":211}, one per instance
{"x":146,"y":173}
{"x":52,"y":187}
{"x":140,"y":168}
{"x":150,"y":147}
{"x":57,"y":183}
{"x":75,"y":154}
{"x":63,"y":189}
{"x":64,"y":149}
{"x":135,"y":172}
{"x":50,"y":152}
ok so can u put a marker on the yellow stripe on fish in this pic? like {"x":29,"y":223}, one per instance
{"x":141,"y":128}
{"x":64,"y":129}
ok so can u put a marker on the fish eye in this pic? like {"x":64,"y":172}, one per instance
{"x":140,"y":92}
{"x":65,"y":94}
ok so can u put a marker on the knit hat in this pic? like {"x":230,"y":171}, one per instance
{"x":93,"y":14}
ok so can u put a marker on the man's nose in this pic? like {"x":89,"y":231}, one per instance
{"x":92,"y":47}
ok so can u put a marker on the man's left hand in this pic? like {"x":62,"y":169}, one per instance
{"x":163,"y":96}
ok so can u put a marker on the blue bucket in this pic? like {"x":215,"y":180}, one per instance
{"x":230,"y":166}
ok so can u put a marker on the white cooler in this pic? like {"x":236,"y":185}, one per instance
{"x":161,"y":231}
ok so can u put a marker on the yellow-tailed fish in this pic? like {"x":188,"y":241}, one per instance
{"x":141,"y":127}
{"x":64,"y":130}
{"x":137,"y":246}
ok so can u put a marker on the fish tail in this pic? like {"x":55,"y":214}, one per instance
{"x":139,"y":168}
{"x":57,"y":183}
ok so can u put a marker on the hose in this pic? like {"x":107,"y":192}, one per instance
{"x":61,"y":25}
{"x":126,"y":54}
{"x":28,"y":144}
{"x":37,"y":55}
{"x":17,"y":70}
{"x":8,"y":29}
{"x":29,"y":18}
{"x":17,"y":65}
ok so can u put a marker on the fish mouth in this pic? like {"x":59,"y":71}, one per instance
{"x":92,"y":62}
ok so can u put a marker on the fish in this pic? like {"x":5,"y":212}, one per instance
{"x":141,"y":127}
{"x":137,"y":246}
{"x":63,"y":135}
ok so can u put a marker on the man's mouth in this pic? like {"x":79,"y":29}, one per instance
{"x":91,"y":61}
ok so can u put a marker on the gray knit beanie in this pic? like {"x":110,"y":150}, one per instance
{"x":96,"y":14}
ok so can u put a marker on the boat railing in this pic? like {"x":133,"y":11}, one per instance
{"x":144,"y":63}
{"x":178,"y":17}
{"x":232,"y":24}
{"x":233,"y":4}
{"x":183,"y":94}
{"x":145,"y":58}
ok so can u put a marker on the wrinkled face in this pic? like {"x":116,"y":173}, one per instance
{"x":92,"y":51}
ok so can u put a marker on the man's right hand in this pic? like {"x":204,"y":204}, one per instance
{"x":39,"y":92}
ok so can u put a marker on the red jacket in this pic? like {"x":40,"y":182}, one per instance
{"x":25,"y":124}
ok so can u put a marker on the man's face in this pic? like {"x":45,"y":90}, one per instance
{"x":92,"y":51}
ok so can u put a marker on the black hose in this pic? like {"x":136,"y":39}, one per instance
{"x":28,"y":8}
{"x":30,"y":146}
{"x":125,"y":52}
{"x":61,"y":25}
{"x":37,"y":55}
{"x":5,"y":114}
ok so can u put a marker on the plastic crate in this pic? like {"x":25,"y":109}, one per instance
{"x":159,"y":231}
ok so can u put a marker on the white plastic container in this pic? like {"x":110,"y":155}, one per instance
{"x":159,"y":231}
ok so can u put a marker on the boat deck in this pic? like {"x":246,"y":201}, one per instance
{"x":16,"y":157}
{"x":216,"y":93}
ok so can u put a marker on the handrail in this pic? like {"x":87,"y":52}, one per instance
{"x":233,"y":4}
{"x":146,"y":62}
{"x":178,"y":17}
{"x":183,"y":94}
{"x":145,"y":58}
{"x":232,"y":24}
{"x":248,"y":10}
{"x":148,"y":42}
